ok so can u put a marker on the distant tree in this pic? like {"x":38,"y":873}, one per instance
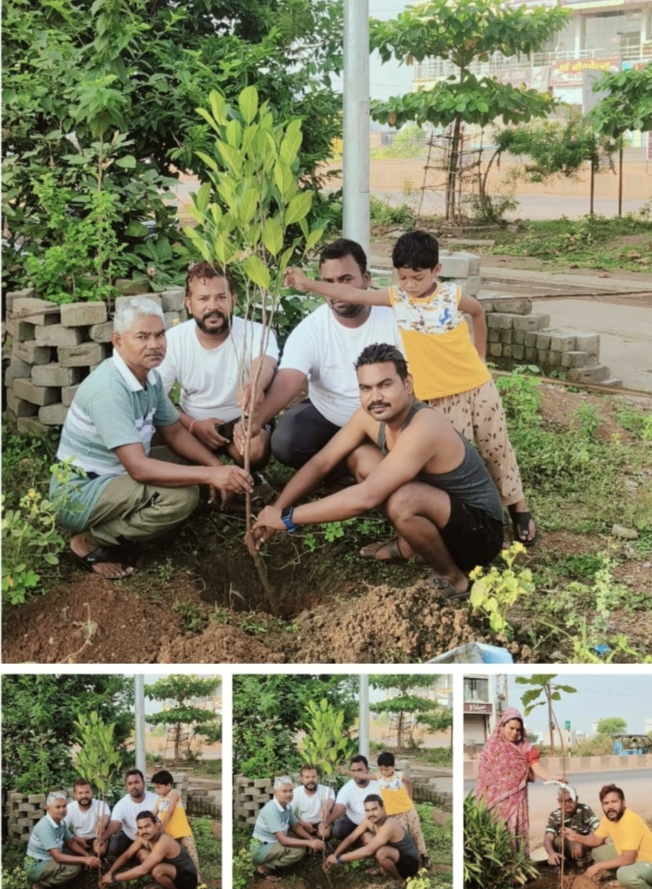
{"x":612,"y":725}
{"x":185,"y":719}
{"x":409,"y":707}
{"x":464,"y":31}
{"x":39,"y":724}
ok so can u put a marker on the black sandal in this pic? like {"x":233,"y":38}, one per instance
{"x":106,"y":554}
{"x":446,"y":589}
{"x":521,"y":525}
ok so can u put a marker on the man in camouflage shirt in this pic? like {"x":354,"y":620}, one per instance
{"x":579,"y":817}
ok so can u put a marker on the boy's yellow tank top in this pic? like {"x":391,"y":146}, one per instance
{"x":394,"y":794}
{"x":178,"y":825}
{"x":437,"y":343}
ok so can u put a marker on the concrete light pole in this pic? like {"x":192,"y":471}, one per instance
{"x":139,"y":720}
{"x":356,"y":122}
{"x":363,"y":716}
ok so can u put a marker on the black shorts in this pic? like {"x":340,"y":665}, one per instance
{"x":226,"y":429}
{"x":472,"y":536}
{"x":185,"y":880}
{"x":407,"y":867}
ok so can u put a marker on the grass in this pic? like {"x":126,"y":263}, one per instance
{"x":561,"y":242}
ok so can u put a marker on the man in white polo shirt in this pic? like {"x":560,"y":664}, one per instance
{"x":122,"y":830}
{"x":348,"y":811}
{"x":322,"y":350}
{"x":215,"y":357}
{"x":87,"y":818}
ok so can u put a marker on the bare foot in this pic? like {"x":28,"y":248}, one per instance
{"x":81,"y":547}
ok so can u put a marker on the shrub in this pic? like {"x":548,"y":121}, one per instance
{"x":492,"y":858}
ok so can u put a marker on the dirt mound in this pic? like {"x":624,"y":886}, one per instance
{"x":572,"y":881}
{"x":218,"y":645}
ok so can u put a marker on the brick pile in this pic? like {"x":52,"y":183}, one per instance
{"x":54,"y":347}
{"x":23,"y":811}
{"x":249,"y":796}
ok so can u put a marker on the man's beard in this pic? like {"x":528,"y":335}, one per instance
{"x":212,"y":331}
{"x":311,"y":786}
{"x":84,"y":803}
{"x":350,"y":310}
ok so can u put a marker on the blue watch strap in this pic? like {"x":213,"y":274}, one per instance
{"x":286,"y":518}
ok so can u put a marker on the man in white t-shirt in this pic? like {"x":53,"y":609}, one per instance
{"x":215,"y":357}
{"x":87,"y":818}
{"x":348,"y":811}
{"x":312,"y":801}
{"x":122,"y":829}
{"x":322,"y":349}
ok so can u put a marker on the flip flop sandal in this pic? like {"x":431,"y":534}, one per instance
{"x":396,"y":557}
{"x":521,"y":525}
{"x":446,"y":589}
{"x":268,"y":875}
{"x":375,"y":872}
{"x":102,"y":554}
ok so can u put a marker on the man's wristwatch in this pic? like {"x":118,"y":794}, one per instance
{"x":113,"y":879}
{"x":338,"y":860}
{"x":286,"y":518}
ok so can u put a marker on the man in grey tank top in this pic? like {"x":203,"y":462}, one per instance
{"x":384,"y":839}
{"x":159,"y":855}
{"x":408,"y":460}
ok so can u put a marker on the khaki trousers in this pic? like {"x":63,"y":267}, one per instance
{"x":129,"y":510}
{"x":632,"y":876}
{"x":283,"y":856}
{"x":410,"y":821}
{"x":54,"y":874}
{"x":189,"y":845}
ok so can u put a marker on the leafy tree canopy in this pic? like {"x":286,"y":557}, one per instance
{"x":39,"y":715}
{"x":612,"y":725}
{"x":182,"y":690}
{"x":410,"y":708}
{"x":628,"y":105}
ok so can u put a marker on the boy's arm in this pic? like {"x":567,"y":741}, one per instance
{"x":472,"y":307}
{"x":346,"y":293}
{"x":408,"y":785}
{"x":174,"y":799}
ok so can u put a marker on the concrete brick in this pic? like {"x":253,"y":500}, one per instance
{"x":518,"y":337}
{"x":506,"y":321}
{"x":506,"y":336}
{"x":38,"y":798}
{"x":495,"y":350}
{"x":83,"y":314}
{"x":31,"y":426}
{"x":542,"y":341}
{"x":544,"y":321}
{"x":261,"y":782}
{"x":493,"y":320}
{"x":40,"y":395}
{"x":562,"y":340}
{"x":612,"y":382}
{"x":574,"y":359}
{"x":31,"y":353}
{"x":36,"y":311}
{"x":84,"y":355}
{"x":58,"y":335}
{"x":129,"y":287}
{"x":518,"y":352}
{"x":555,"y":358}
{"x":18,"y":407}
{"x":21,"y":331}
{"x":172,"y":319}
{"x":24,"y":822}
{"x":543,"y":356}
{"x":55,"y":375}
{"x":507,"y":350}
{"x":155,"y":297}
{"x":493,"y":335}
{"x":173,"y":300}
{"x":528,"y":322}
{"x":101,"y":333}
{"x":13,"y":295}
{"x":455,"y":266}
{"x":17,"y":370}
{"x":67,"y":394}
{"x":515,"y":306}
{"x":588,"y":342}
{"x":53,"y":414}
{"x":530,"y":338}
{"x":531,"y":353}
{"x":471,"y":286}
{"x":589,"y":374}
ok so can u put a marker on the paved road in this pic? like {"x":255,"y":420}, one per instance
{"x":636,"y":785}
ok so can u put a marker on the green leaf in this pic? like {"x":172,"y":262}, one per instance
{"x":313,"y":238}
{"x":234,"y":133}
{"x":248,"y":103}
{"x":203,"y":196}
{"x":256,"y":271}
{"x":208,"y":160}
{"x":291,"y":142}
{"x":272,"y":236}
{"x":284,"y":180}
{"x":136,"y":230}
{"x":218,"y":107}
{"x":128,"y":162}
{"x":298,"y":208}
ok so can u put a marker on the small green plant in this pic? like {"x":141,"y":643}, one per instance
{"x":384,"y":213}
{"x":193,"y":617}
{"x":492,"y":857}
{"x":494,"y":592}
{"x":326,"y":744}
{"x":15,"y":879}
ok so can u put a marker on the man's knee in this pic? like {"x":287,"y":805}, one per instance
{"x":284,"y":439}
{"x":342,"y":828}
{"x":399,"y":506}
{"x":64,"y":873}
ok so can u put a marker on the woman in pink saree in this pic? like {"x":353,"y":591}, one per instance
{"x":508,"y":762}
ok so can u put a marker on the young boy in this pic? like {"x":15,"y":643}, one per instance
{"x":396,"y":793}
{"x":449,"y":373}
{"x":172,"y":815}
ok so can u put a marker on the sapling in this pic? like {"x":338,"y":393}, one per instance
{"x":252,"y":219}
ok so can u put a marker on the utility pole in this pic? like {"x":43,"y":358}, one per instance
{"x":551,"y":720}
{"x":363,"y":716}
{"x":139,"y":713}
{"x":356,"y":122}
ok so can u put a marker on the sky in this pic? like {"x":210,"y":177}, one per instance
{"x":598,"y":697}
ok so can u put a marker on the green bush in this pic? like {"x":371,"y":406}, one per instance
{"x":492,"y":857}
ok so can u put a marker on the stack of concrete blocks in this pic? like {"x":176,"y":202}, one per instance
{"x":461,"y":268}
{"x":23,"y":811}
{"x":517,"y":335}
{"x":180,"y":780}
{"x":249,"y":796}
{"x":54,"y":347}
